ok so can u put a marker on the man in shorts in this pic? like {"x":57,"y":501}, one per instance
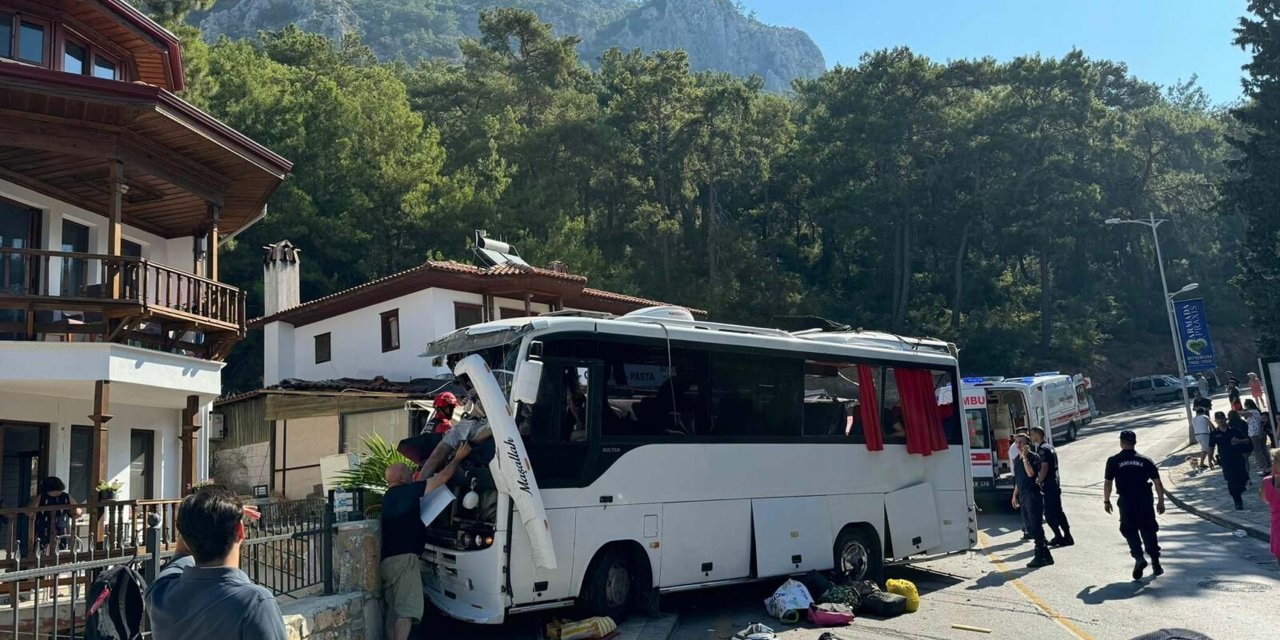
{"x":403,"y":538}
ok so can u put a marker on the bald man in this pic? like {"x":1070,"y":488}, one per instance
{"x":403,"y":538}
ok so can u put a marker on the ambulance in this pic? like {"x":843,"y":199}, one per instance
{"x":1001,"y":406}
{"x":992,"y":476}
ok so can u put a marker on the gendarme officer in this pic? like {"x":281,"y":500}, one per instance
{"x":1133,"y":475}
{"x":1028,"y":496}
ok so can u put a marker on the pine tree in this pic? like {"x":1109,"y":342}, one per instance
{"x":1254,"y":189}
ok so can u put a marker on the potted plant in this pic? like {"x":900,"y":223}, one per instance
{"x":369,"y":475}
{"x":107,"y":490}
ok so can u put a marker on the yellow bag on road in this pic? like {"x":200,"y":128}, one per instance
{"x":582,"y":629}
{"x":906,"y":589}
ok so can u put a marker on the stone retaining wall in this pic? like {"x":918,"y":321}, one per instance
{"x":355,"y":612}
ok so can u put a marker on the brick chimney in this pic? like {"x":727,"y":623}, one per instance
{"x":281,"y":277}
{"x":558,"y":267}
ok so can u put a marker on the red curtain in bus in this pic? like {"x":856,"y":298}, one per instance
{"x":869,"y":402}
{"x":921,"y":418}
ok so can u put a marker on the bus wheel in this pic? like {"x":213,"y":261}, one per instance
{"x":858,"y":555}
{"x":611,"y":585}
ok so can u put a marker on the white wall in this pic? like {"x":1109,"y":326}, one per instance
{"x":174,"y":252}
{"x":61,"y":414}
{"x":356,"y":339}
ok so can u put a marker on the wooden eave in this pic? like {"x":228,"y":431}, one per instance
{"x":152,"y":54}
{"x":59,"y":131}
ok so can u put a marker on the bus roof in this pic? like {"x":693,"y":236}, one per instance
{"x":866,"y":344}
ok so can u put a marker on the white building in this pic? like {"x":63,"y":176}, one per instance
{"x":381,"y":328}
{"x":115,"y":195}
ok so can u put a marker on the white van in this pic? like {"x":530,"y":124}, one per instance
{"x":1047,"y":400}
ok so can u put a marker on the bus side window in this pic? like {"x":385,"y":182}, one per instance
{"x":756,"y":396}
{"x":648,"y":396}
{"x":891,"y":418}
{"x":831,"y":400}
{"x":948,"y":411}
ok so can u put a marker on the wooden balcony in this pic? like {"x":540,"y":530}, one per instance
{"x":62,"y":296}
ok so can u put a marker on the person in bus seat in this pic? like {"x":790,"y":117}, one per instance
{"x":575,"y":408}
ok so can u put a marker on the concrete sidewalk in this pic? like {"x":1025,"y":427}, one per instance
{"x":1204,"y":493}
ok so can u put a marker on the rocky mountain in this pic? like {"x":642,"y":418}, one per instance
{"x":716,"y":33}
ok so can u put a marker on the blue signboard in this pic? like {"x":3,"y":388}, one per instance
{"x":1193,"y":333}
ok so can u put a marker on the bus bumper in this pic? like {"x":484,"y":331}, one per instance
{"x":467,"y":585}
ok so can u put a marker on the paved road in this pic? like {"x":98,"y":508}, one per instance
{"x":1087,"y":594}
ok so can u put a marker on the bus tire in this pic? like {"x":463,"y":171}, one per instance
{"x":857,"y":554}
{"x":613,"y":584}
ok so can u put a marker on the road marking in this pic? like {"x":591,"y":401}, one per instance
{"x":1028,"y":593}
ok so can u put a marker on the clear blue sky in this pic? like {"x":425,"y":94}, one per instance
{"x":1162,"y":41}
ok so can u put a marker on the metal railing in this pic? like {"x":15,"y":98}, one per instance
{"x":73,"y":281}
{"x":53,"y":535}
{"x":44,"y":595}
{"x":290,"y":549}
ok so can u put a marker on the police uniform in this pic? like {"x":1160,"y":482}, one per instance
{"x":1132,"y":474}
{"x":1032,"y":503}
{"x":1052,"y":489}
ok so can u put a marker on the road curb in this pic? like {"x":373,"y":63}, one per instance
{"x":1253,"y":530}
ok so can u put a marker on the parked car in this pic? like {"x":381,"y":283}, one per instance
{"x":1153,"y":389}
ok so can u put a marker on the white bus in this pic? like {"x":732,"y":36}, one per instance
{"x":669,"y":454}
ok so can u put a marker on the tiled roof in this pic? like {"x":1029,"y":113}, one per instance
{"x":567,"y":287}
{"x":631,"y":300}
{"x":416,"y":388}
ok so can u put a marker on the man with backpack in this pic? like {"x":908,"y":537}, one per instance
{"x":202,"y":594}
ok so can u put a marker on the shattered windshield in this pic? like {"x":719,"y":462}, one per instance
{"x":499,"y":346}
{"x":476,"y":338}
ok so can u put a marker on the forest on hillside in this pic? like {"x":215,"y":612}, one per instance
{"x":964,"y":200}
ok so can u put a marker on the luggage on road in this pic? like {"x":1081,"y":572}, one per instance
{"x":906,"y":589}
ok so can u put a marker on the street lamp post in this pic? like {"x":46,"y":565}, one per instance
{"x":1153,"y":223}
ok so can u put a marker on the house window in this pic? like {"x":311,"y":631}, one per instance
{"x":390,"y":330}
{"x":75,"y":58}
{"x":142,"y":444}
{"x":75,"y":269}
{"x":465,"y":315}
{"x":323,"y":348}
{"x":507,"y":314}
{"x":79,"y":478}
{"x":105,"y":68}
{"x":6,"y":35}
{"x":31,"y":42}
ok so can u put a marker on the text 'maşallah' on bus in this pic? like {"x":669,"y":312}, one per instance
{"x":652,"y":453}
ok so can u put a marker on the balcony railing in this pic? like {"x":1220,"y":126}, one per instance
{"x":80,"y":293}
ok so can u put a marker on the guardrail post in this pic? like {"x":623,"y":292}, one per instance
{"x":326,"y":542}
{"x":151,"y":565}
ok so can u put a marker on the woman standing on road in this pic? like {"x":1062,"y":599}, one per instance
{"x":1270,"y":494}
{"x":1232,"y":445}
{"x":1253,"y":417}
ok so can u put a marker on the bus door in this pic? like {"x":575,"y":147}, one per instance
{"x":556,"y":431}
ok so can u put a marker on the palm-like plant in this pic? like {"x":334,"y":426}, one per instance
{"x":370,"y":473}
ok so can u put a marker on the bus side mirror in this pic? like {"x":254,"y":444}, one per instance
{"x":524,"y":389}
